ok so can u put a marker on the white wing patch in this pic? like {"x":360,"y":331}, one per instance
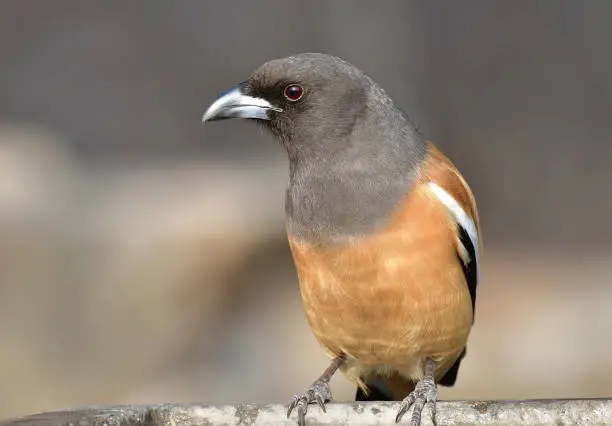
{"x":460,"y":216}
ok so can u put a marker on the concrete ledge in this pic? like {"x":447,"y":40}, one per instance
{"x":534,"y":412}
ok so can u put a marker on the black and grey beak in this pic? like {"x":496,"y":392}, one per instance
{"x":236,"y":104}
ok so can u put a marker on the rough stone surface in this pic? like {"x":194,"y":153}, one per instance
{"x":532,"y":412}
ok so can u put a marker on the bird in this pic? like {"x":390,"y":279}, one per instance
{"x":383,"y":229}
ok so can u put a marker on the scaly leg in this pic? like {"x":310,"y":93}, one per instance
{"x":425,"y":392}
{"x":318,"y":392}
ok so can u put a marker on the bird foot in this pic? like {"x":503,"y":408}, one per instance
{"x":424,"y":393}
{"x":319,"y":392}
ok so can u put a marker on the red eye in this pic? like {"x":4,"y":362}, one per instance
{"x":294,"y":92}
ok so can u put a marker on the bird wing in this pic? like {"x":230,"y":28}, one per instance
{"x":452,"y":190}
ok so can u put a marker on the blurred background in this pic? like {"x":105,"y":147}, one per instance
{"x":143,"y":256}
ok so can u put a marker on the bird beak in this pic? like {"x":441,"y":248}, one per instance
{"x":235,"y":104}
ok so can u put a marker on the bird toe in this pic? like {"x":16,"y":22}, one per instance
{"x":425,"y":393}
{"x":318,"y":393}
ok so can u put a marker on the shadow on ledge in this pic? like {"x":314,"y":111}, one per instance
{"x":533,"y":412}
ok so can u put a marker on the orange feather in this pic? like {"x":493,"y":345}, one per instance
{"x":393,"y":298}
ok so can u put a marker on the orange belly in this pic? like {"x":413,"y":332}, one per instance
{"x":392,"y":299}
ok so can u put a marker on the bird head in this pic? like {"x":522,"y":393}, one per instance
{"x":305,"y":100}
{"x":352,"y":152}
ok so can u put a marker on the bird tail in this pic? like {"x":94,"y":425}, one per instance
{"x":396,"y":388}
{"x":384,"y":388}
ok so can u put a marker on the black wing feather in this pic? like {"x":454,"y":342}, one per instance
{"x":470,"y":269}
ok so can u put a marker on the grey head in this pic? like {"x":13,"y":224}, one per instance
{"x":353,"y":154}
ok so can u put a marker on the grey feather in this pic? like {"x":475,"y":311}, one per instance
{"x":353,"y":153}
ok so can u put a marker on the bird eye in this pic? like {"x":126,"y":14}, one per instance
{"x":294,"y":92}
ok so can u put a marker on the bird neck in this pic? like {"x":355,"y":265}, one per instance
{"x":352,"y":192}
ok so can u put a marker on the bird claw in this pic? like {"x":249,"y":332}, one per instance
{"x":319,"y":393}
{"x":320,"y":402}
{"x":425,"y":393}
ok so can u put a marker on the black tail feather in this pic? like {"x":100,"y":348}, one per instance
{"x":378,"y":391}
{"x":450,"y":377}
